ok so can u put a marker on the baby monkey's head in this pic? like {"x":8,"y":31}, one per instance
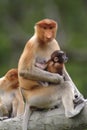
{"x":59,"y":56}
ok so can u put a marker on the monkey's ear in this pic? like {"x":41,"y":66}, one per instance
{"x":56,"y":59}
{"x":12,"y":74}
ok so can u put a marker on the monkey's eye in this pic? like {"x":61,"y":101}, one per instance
{"x":51,"y":27}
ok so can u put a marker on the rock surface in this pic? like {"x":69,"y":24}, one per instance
{"x":48,"y":120}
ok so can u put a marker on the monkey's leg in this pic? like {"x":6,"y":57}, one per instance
{"x":20,"y":103}
{"x":14,"y":108}
{"x":27,"y":115}
{"x":67,"y":99}
{"x":76,"y":91}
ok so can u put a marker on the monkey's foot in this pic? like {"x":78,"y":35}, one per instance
{"x":78,"y":100}
{"x":76,"y":111}
{"x":3,"y":118}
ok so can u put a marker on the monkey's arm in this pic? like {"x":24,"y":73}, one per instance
{"x":28,"y":70}
{"x":40,"y":75}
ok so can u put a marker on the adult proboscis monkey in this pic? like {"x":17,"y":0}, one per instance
{"x":41,"y":45}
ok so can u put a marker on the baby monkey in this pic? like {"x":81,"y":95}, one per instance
{"x":11,"y":102}
{"x":55,"y":64}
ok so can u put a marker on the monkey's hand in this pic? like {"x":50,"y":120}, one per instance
{"x":41,"y":66}
{"x":40,"y":75}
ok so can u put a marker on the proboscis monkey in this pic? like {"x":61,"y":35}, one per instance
{"x":39,"y":48}
{"x":11,"y":99}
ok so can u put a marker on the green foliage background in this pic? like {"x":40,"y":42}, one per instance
{"x":17,"y":19}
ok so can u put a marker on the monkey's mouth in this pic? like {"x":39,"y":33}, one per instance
{"x":65,"y":59}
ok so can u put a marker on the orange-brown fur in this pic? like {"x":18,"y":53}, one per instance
{"x":39,"y":48}
{"x":11,"y":98}
{"x":55,"y":67}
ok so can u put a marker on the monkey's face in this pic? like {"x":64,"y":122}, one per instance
{"x":46,"y":30}
{"x":10,"y":79}
{"x":59,"y":56}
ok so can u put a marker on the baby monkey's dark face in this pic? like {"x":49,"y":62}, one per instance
{"x":59,"y":56}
